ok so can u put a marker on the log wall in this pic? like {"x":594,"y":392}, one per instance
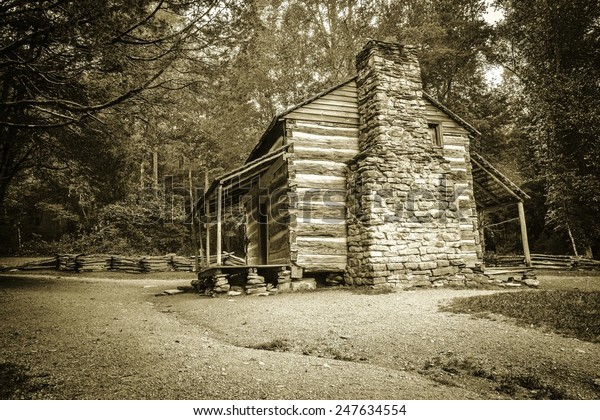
{"x":324,"y":135}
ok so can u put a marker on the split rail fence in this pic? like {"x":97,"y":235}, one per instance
{"x":543,"y":261}
{"x":142,"y":264}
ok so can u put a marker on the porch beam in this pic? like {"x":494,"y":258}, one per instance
{"x":495,"y":178}
{"x":524,"y":238}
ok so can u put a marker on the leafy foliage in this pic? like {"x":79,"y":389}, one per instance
{"x":554,"y":49}
{"x":78,"y":82}
{"x":112,"y":107}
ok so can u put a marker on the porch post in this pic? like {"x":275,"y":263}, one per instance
{"x":524,"y":233}
{"x":219,"y":217}
{"x":207,"y":224}
{"x":207,"y":216}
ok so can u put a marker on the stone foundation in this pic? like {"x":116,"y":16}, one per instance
{"x":255,"y":284}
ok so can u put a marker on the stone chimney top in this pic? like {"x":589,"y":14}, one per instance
{"x":381,"y":57}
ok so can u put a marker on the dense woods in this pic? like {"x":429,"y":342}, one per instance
{"x":113,"y":113}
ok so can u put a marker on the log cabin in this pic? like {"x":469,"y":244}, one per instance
{"x":373,"y":181}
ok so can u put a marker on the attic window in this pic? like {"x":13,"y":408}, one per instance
{"x":435,"y":133}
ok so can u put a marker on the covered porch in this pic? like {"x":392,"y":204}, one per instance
{"x":231,"y":194}
{"x":493,"y":191}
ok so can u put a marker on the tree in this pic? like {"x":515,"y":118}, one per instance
{"x":554,"y":49}
{"x":77,"y":78}
{"x":453,"y":40}
{"x":64,"y":64}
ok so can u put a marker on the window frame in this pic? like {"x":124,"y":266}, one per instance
{"x":438,"y":141}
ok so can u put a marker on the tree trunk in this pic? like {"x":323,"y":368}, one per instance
{"x":572,"y":240}
{"x":193,"y":220}
{"x":155,"y":170}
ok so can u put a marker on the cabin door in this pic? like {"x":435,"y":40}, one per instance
{"x":263,"y":232}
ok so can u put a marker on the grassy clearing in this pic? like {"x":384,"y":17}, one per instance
{"x":521,"y":385}
{"x":573,"y":313}
{"x":383,"y":289}
{"x":278,"y":344}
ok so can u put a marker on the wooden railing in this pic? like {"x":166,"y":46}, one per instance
{"x":544,"y":261}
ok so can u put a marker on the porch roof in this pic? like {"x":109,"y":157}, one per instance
{"x":239,"y":181}
{"x":491,"y":187}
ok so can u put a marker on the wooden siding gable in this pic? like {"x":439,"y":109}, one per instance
{"x":337,"y":106}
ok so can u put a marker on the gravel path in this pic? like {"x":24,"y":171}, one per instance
{"x":76,"y":338}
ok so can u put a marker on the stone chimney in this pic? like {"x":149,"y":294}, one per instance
{"x":403,"y":227}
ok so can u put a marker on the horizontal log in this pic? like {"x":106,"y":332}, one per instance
{"x":317,"y":108}
{"x":456,"y":138}
{"x":318,"y":153}
{"x":321,"y":211}
{"x":549,"y":256}
{"x":339,"y":136}
{"x":322,"y":262}
{"x":550,"y":267}
{"x":551,"y":263}
{"x":334,"y":230}
{"x":311,"y":117}
{"x":316,"y":217}
{"x":320,"y":181}
{"x":320,"y":246}
{"x":326,"y":143}
{"x":346,"y":103}
{"x":493,"y":272}
{"x":320,"y":195}
{"x":321,"y":129}
{"x":320,"y":167}
{"x":321,"y":250}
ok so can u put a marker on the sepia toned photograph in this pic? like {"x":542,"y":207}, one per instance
{"x":369,"y":201}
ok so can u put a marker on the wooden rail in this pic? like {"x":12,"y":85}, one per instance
{"x":544,"y":261}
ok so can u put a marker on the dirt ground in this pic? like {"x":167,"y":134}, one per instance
{"x":103,"y":336}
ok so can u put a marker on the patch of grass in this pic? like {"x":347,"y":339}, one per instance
{"x":16,"y":382}
{"x":277,"y":344}
{"x":573,"y":313}
{"x":520,"y":386}
{"x":337,"y":354}
{"x":458,"y":365}
{"x":12,"y":379}
{"x":382,"y":289}
{"x":512,"y":384}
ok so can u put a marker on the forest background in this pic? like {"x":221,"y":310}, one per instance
{"x":113,"y":113}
